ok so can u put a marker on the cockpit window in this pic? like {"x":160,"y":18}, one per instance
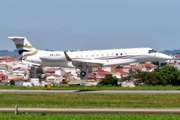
{"x":152,"y":51}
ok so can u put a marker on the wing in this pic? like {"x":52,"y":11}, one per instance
{"x":90,"y":63}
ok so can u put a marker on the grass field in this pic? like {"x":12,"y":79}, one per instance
{"x":91,"y":100}
{"x":169,"y":87}
{"x":23,"y":116}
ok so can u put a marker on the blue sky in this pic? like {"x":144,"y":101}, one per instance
{"x":91,"y":24}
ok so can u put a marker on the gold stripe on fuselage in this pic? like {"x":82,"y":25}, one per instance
{"x":67,"y":57}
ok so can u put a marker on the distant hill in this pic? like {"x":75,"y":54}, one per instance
{"x":15,"y":52}
{"x":171,"y":52}
{"x":8,"y":53}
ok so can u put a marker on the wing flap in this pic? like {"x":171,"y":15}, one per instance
{"x":92,"y":63}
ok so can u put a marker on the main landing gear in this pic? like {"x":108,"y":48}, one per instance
{"x":83,"y":73}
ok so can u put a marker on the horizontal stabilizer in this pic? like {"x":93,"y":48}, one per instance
{"x":16,"y":38}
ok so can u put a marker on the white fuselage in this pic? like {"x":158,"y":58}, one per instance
{"x":85,"y":60}
{"x":92,"y":58}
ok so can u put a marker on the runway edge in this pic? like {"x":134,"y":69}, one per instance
{"x":93,"y":110}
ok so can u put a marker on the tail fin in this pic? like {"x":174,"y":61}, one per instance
{"x":23,"y":46}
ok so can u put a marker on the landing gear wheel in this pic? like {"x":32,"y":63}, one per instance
{"x":83,"y":73}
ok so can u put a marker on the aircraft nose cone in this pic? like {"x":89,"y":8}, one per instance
{"x":165,"y":57}
{"x":170,"y":58}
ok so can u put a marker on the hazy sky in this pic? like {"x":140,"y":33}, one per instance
{"x":91,"y":24}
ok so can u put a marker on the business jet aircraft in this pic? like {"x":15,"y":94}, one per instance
{"x":85,"y":60}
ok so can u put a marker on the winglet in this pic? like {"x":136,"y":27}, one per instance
{"x":67,"y":57}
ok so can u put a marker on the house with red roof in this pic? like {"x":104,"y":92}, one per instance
{"x":50,"y":72}
{"x":120,"y":72}
{"x":100,"y":75}
{"x":20,"y":79}
{"x":53,"y":78}
{"x":91,"y":78}
{"x":134,"y":67}
{"x":3,"y":78}
{"x":10,"y":60}
{"x":70,"y":77}
{"x":147,"y":65}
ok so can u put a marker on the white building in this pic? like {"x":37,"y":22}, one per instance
{"x":54,"y":78}
{"x":26,"y":84}
{"x":35,"y":81}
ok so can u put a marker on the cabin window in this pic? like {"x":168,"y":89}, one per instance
{"x":102,"y":55}
{"x":120,"y":53}
{"x":112,"y":54}
{"x":92,"y":55}
{"x":107,"y":54}
{"x":116,"y":54}
{"x":81,"y":56}
{"x":97,"y":55}
{"x":76,"y":56}
{"x":86,"y":55}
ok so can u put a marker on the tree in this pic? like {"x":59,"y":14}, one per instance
{"x":148,"y":78}
{"x":131,"y":74}
{"x":39,"y":71}
{"x":155,"y":63}
{"x":94,"y":74}
{"x":12,"y":82}
{"x":119,"y":67}
{"x":170,"y":74}
{"x":109,"y":79}
{"x":39,"y":76}
{"x":158,"y":63}
{"x":165,"y":75}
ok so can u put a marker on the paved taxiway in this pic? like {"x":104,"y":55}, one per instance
{"x":95,"y":91}
{"x":92,"y":110}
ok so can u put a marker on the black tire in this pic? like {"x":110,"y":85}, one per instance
{"x":83,"y":73}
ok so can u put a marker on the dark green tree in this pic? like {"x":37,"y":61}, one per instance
{"x":109,"y":79}
{"x":148,"y":78}
{"x":157,"y":63}
{"x":131,"y":74}
{"x":165,"y":75}
{"x":119,"y":67}
{"x":39,"y":71}
{"x":170,"y":74}
{"x":39,"y":76}
{"x":94,"y":74}
{"x":12,"y":82}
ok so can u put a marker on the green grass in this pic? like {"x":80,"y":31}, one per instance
{"x":23,"y":116}
{"x":90,"y":100}
{"x":168,"y":87}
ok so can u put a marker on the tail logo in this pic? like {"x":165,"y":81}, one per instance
{"x":31,"y":54}
{"x":25,"y":49}
{"x":20,"y":45}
